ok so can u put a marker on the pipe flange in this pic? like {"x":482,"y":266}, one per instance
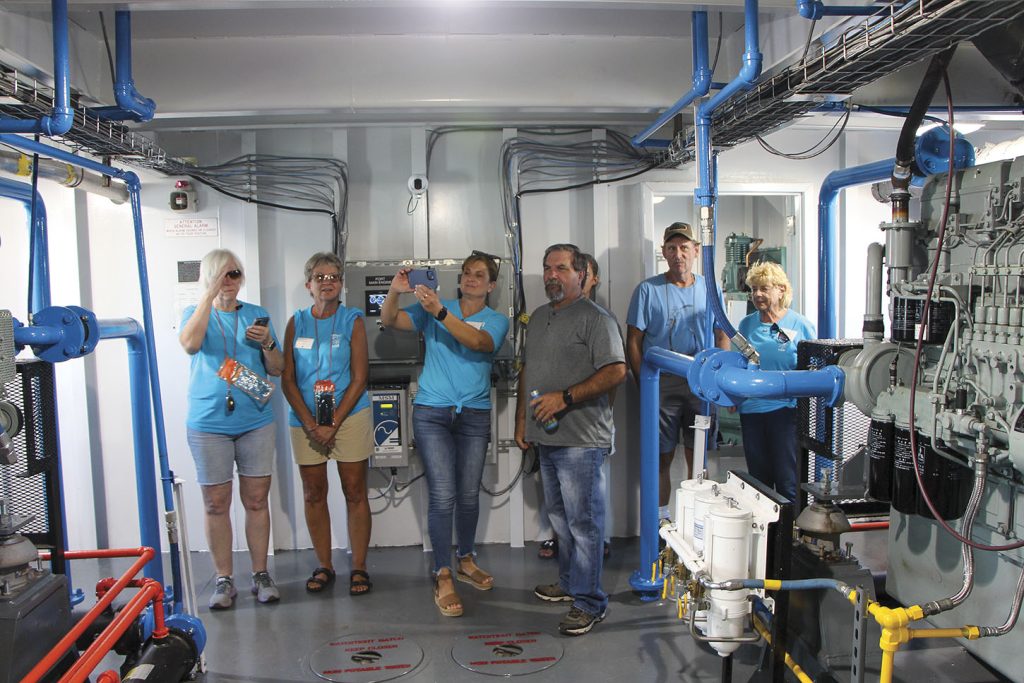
{"x":702,"y":375}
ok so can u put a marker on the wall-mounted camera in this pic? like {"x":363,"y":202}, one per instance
{"x":418,"y":185}
{"x":183,"y":197}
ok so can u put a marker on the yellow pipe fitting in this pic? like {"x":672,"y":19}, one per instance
{"x":24,"y":165}
{"x":772,"y":584}
{"x":968,"y":632}
{"x":892,"y":638}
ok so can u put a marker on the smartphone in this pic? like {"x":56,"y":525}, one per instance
{"x":262,"y":321}
{"x":426,"y":277}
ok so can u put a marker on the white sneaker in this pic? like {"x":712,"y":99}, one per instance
{"x":223,"y":593}
{"x":264,"y":588}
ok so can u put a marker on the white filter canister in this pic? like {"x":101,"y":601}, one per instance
{"x":685,"y":495}
{"x":703,"y":501}
{"x":728,"y":532}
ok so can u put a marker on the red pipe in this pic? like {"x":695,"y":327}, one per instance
{"x":151,"y":591}
{"x":109,"y":676}
{"x":144,"y":554}
{"x":869,"y":526}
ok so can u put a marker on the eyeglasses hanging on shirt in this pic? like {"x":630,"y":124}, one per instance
{"x":780,"y":335}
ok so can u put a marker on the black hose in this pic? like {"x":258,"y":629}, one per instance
{"x":923,"y":100}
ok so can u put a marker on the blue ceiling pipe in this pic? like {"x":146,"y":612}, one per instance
{"x":701,"y":78}
{"x":131,"y":181}
{"x":130,"y":103}
{"x":60,"y":120}
{"x":706,"y":192}
{"x":815,"y":9}
{"x":39,"y":268}
{"x":828,"y":196}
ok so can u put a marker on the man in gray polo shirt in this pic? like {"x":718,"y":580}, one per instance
{"x":574,"y":355}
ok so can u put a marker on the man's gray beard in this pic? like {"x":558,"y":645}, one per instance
{"x":554,"y":296}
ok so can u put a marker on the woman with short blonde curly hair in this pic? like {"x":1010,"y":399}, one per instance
{"x":769,"y":425}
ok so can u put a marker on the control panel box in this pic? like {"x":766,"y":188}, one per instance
{"x":366,"y":286}
{"x":391,"y":427}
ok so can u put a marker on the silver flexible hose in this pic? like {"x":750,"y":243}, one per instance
{"x":1011,"y":620}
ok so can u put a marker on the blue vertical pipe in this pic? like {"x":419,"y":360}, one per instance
{"x":828,"y":197}
{"x":39,"y":269}
{"x":701,"y":77}
{"x":131,"y":181}
{"x":142,"y":436}
{"x":62,"y":116}
{"x":130,"y":103}
{"x":641,"y":580}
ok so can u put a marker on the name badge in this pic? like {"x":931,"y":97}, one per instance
{"x":303,"y":342}
{"x":475,"y":324}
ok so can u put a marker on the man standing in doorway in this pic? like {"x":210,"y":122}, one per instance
{"x":669,"y":310}
{"x":574,"y":356}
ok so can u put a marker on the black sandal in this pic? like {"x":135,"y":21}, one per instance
{"x":548,"y":549}
{"x":315,"y":584}
{"x":359,"y":587}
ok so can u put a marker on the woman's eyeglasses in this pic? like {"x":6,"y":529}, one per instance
{"x":779,"y":334}
{"x":234,"y":274}
{"x":327,"y":277}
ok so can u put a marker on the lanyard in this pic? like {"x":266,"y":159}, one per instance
{"x":330,"y":343}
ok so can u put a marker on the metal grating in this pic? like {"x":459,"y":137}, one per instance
{"x":855,"y":55}
{"x":7,"y":372}
{"x":32,"y":484}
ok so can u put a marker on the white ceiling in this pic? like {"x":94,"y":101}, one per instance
{"x":273,"y":62}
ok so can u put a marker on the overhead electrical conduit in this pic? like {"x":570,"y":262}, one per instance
{"x":60,"y":120}
{"x":706,"y":192}
{"x":131,"y":181}
{"x":701,"y":78}
{"x":130,"y":103}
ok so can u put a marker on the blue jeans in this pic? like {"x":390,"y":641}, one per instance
{"x":573,"y":491}
{"x":453,"y":447}
{"x":769,"y":446}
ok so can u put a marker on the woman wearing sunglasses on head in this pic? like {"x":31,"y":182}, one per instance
{"x":230,"y":421}
{"x":326,"y":367}
{"x":769,"y":425}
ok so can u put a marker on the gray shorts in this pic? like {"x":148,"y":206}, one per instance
{"x":216,"y":455}
{"x":679,"y":407}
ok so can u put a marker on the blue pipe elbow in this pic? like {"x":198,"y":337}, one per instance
{"x":726,"y":378}
{"x":130,"y":103}
{"x":815,"y":9}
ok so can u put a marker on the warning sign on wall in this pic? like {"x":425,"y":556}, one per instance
{"x":191,"y":227}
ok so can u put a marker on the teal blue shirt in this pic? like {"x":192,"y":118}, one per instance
{"x":207,"y":407}
{"x":775,"y":353}
{"x":322,"y":349}
{"x":454,"y":375}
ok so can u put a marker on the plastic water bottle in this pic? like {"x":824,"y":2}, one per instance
{"x":552,"y":424}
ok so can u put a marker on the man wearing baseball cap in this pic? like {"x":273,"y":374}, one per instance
{"x":669,"y":311}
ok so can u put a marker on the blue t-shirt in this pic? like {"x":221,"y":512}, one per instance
{"x":207,"y":405}
{"x":775,"y":353}
{"x":454,"y":375}
{"x":670,"y":317}
{"x":322,"y":349}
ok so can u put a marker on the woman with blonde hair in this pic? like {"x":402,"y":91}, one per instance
{"x":769,"y":425}
{"x":229,"y":428}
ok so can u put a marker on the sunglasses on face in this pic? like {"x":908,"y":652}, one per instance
{"x":779,"y":334}
{"x":327,"y":277}
{"x":234,"y":274}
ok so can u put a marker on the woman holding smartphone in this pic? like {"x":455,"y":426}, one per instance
{"x":326,"y":365}
{"x":452,"y":411}
{"x":226,"y":426}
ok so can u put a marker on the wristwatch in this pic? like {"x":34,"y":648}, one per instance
{"x":442,"y":314}
{"x":567,"y":397}
{"x":271,"y":346}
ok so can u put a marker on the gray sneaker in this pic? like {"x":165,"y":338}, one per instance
{"x":223,"y":593}
{"x":552,"y":592}
{"x":264,"y":588}
{"x":577,"y":622}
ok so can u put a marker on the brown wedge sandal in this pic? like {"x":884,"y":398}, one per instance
{"x":476,"y":577}
{"x":449,"y":605}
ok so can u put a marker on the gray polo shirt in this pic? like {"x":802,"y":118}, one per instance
{"x":565,"y":347}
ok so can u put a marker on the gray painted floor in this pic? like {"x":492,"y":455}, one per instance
{"x":639,"y":642}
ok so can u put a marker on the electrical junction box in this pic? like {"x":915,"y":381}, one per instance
{"x":391,"y":429}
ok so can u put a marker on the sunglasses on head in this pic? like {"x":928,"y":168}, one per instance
{"x":234,"y":274}
{"x":777,"y":331}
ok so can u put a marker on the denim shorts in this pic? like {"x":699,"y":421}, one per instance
{"x":216,"y":455}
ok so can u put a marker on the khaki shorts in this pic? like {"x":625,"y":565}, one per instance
{"x":353,"y":443}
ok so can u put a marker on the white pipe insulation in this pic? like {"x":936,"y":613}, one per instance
{"x":67,"y":175}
